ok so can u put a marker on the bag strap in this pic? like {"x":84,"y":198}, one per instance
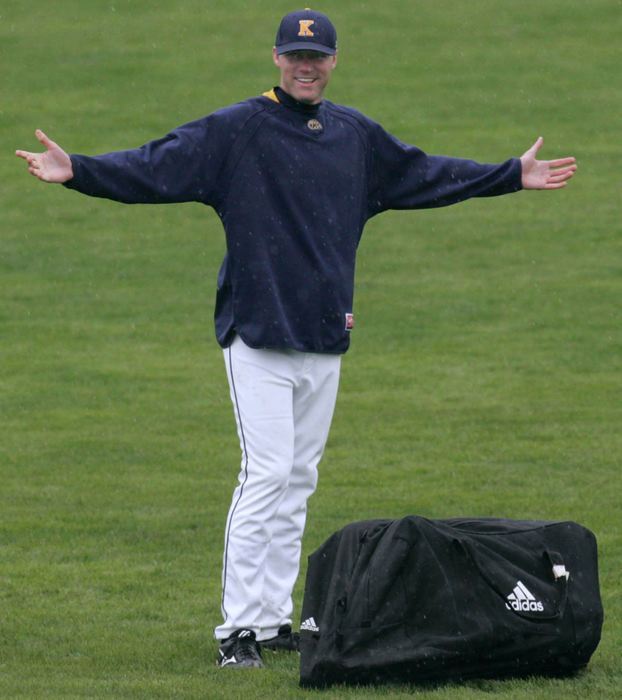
{"x":559,"y":573}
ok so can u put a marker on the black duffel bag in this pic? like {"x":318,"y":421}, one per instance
{"x":415,"y":599}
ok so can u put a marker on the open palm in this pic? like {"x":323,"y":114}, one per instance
{"x":53,"y":165}
{"x":545,"y":174}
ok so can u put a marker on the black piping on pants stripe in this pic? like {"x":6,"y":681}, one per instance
{"x":239,"y":417}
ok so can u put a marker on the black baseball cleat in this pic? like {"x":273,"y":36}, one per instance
{"x":240,"y":650}
{"x":285,"y":640}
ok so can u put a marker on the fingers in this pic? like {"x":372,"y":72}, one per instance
{"x":559,"y":178}
{"x":562,"y":174}
{"x":48,"y":143}
{"x":537,"y":145}
{"x":52,"y":164}
{"x":563,"y":171}
{"x":553,"y":186}
{"x":30,"y":158}
{"x":33,"y":160}
{"x":530,"y":153}
{"x":558,"y":162}
{"x":561,"y":162}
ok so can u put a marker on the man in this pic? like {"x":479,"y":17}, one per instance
{"x":293,"y":178}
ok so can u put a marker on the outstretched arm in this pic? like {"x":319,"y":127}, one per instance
{"x":545,"y":174}
{"x":53,"y":165}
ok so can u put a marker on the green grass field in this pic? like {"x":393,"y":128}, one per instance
{"x":485,"y":375}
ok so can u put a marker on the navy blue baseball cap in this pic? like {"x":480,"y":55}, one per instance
{"x":306,"y":30}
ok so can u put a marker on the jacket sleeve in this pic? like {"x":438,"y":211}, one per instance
{"x":404,"y":177}
{"x":183,"y":166}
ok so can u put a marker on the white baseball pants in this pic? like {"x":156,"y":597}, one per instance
{"x":283,"y":402}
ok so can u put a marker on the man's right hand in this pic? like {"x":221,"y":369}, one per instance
{"x":53,"y":165}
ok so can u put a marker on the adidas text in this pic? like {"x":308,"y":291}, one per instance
{"x":522,"y":600}
{"x":525,"y":606}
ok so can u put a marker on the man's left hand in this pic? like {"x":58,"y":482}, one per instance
{"x":545,"y":174}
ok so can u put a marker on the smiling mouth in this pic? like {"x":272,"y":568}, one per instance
{"x":306,"y":80}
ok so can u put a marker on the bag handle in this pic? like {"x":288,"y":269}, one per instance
{"x":559,"y":572}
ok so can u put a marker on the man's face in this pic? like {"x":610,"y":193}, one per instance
{"x":304,"y":74}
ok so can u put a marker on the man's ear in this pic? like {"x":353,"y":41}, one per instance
{"x":275,"y":57}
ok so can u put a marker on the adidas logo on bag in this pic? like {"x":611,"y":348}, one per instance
{"x":309,"y":625}
{"x":522,"y":600}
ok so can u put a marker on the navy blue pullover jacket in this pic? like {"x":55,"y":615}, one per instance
{"x":293,"y":188}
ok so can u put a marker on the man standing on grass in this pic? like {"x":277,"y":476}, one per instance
{"x":293,"y":178}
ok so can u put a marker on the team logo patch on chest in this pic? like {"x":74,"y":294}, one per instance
{"x":314,"y":125}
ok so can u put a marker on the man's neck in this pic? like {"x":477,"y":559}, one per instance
{"x":289,"y":101}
